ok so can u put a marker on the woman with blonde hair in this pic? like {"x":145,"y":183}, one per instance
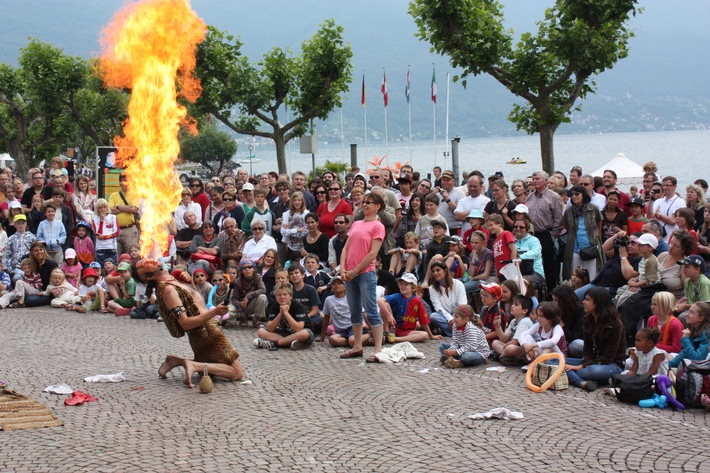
{"x":696,"y":200}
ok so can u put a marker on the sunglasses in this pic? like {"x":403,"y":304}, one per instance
{"x":657,"y":191}
{"x":339,"y":223}
{"x":368,"y":202}
{"x":260,"y":229}
{"x":319,"y":192}
{"x":334,"y":189}
{"x":228,"y":199}
{"x":217,"y":280}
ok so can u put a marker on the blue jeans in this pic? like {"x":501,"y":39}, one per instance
{"x":469,"y":358}
{"x":361,"y":294}
{"x":598,"y":373}
{"x":103,"y":255}
{"x":575,"y":349}
{"x":436,"y":319}
{"x":472,"y":285}
{"x":583,"y":290}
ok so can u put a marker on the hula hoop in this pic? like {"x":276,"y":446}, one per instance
{"x":552,"y":379}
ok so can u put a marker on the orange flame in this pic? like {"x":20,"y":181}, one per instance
{"x":150,"y":49}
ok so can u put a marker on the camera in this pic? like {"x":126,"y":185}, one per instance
{"x":621,"y":241}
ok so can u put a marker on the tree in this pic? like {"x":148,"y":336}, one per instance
{"x":310,"y":84}
{"x":210,"y":147}
{"x":51,"y":100}
{"x":577,"y":40}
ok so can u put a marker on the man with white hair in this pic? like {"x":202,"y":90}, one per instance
{"x":545,"y":210}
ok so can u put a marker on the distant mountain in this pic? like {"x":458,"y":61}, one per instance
{"x":662,"y":85}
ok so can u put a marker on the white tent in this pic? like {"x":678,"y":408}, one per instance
{"x":5,"y":159}
{"x":627,"y":171}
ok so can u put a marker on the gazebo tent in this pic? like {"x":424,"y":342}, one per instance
{"x":627,"y":171}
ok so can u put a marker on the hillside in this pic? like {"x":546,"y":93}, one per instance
{"x":661,"y":85}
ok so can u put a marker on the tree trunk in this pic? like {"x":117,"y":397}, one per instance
{"x":280,"y":144}
{"x":547,"y":149}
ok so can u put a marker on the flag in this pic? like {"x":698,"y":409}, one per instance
{"x":407,"y":88}
{"x":433,"y":85}
{"x":384,"y":89}
{"x":362,"y":100}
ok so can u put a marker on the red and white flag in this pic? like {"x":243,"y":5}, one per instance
{"x":384,"y":89}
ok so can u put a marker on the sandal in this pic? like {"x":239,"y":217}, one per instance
{"x":351,"y":354}
{"x":372,"y":359}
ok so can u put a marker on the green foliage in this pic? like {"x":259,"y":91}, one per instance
{"x":248,"y":98}
{"x":210,"y":147}
{"x":52,"y":101}
{"x":339,"y":168}
{"x":550,"y":69}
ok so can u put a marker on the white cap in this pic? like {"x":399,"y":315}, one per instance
{"x":408,"y":277}
{"x":248,"y":186}
{"x":648,"y":239}
{"x":522,"y":209}
{"x":70,"y":253}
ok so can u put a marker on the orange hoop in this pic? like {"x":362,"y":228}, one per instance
{"x":552,"y":379}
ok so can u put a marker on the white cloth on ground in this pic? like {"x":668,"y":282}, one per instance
{"x":399,"y":352}
{"x":497,"y":413}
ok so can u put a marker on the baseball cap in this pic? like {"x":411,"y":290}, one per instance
{"x":493,"y":288}
{"x":693,"y":260}
{"x":447,"y":173}
{"x":20,"y":217}
{"x":70,"y":253}
{"x":636,"y":201}
{"x":648,"y":239}
{"x":95,"y":265}
{"x":335,"y":279}
{"x":125,"y":266}
{"x":455,"y":239}
{"x":438,"y":223}
{"x":405,"y":177}
{"x":521,"y":209}
{"x":15,"y":204}
{"x":248,"y":186}
{"x":408,"y":277}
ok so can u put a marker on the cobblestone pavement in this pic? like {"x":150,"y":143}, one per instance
{"x":311,"y":411}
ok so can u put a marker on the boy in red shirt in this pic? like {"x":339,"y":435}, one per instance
{"x":404,"y":310}
{"x":504,"y":243}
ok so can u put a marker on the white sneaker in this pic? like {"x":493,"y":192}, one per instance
{"x":261,"y":343}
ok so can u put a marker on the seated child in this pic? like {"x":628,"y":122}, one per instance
{"x":507,"y":347}
{"x":580,"y":277}
{"x":468,"y":346}
{"x":490,"y":295}
{"x":83,"y":245}
{"x":316,"y":278}
{"x":288,"y":324}
{"x":220,"y":290}
{"x":62,"y":292}
{"x":72,"y":268}
{"x":695,"y":338}
{"x":336,"y":309}
{"x":406,"y":259}
{"x":146,"y":305}
{"x":122,"y":305}
{"x":648,"y":272}
{"x":199,"y":281}
{"x":30,"y":284}
{"x":90,"y":293}
{"x":663,"y":319}
{"x":547,"y":327}
{"x":401,"y":312}
{"x":647,"y":358}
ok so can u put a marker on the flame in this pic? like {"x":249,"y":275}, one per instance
{"x":150,"y":48}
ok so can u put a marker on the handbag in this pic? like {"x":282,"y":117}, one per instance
{"x":527,"y":267}
{"x":633,"y":388}
{"x":542,"y":373}
{"x":590,"y":253}
{"x":199,"y":255}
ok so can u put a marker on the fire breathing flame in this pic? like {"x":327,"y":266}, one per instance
{"x":150,"y":49}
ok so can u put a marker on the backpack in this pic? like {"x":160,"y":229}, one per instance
{"x":633,"y":388}
{"x":692,"y":381}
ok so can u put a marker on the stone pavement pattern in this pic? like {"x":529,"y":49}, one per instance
{"x":311,"y":411}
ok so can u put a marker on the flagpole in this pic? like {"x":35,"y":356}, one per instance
{"x":409,"y":106}
{"x":342,"y":130}
{"x":385,"y":98}
{"x":446,"y":139}
{"x":364,"y":107}
{"x":433,"y":99}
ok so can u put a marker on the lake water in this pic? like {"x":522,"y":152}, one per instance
{"x":683,"y":154}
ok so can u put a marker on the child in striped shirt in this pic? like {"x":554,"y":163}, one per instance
{"x":31,"y":283}
{"x":468,"y":346}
